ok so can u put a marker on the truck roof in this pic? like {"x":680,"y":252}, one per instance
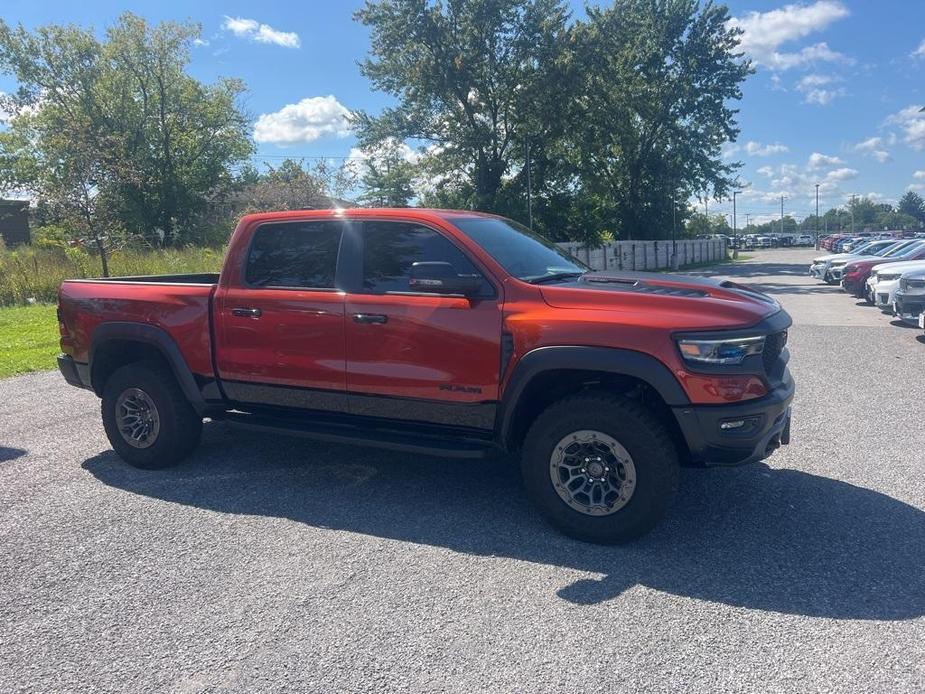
{"x":361,"y":212}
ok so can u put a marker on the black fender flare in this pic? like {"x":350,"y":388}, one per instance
{"x":613,"y":360}
{"x":156,"y":337}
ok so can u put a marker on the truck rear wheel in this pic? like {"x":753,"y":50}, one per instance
{"x":600,"y":468}
{"x":148,"y":420}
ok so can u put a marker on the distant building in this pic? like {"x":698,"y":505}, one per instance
{"x":14,"y":222}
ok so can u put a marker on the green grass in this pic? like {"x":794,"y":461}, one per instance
{"x":35,"y":273}
{"x":28,"y":339}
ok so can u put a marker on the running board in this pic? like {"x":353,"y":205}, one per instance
{"x":366,"y":433}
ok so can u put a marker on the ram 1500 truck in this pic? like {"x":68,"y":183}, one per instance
{"x":441,"y":333}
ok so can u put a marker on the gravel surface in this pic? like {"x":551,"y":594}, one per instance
{"x":270,"y":564}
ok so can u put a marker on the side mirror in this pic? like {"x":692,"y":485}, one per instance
{"x":439,"y":277}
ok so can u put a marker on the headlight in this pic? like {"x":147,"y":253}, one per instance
{"x":731,"y":351}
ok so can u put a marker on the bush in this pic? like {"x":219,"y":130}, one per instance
{"x":33,"y":274}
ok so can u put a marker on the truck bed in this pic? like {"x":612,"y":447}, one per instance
{"x":180,"y":305}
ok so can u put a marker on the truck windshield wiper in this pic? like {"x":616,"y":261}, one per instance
{"x":554,"y":277}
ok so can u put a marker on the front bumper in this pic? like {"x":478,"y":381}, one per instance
{"x":855,"y":287}
{"x":767,"y":427}
{"x":75,"y":373}
{"x":819,"y":271}
{"x":909,"y":307}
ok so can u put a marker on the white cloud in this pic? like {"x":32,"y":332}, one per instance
{"x":765,"y":32}
{"x":766,"y":171}
{"x":912,"y":122}
{"x":920,"y":175}
{"x":253,"y":30}
{"x":915,"y":187}
{"x":820,"y":161}
{"x":816,"y":89}
{"x":729,"y":150}
{"x":305,"y":121}
{"x":920,"y":51}
{"x":200,"y":42}
{"x":756,"y":149}
{"x":843,"y":174}
{"x":873,"y":147}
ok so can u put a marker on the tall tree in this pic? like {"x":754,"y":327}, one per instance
{"x":473,"y":78}
{"x":160,"y":141}
{"x":656,"y":78}
{"x":912,"y":204}
{"x":387,"y":177}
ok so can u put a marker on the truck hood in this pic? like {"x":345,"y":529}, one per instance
{"x":676,"y":301}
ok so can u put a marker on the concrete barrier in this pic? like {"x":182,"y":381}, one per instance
{"x":647,"y":255}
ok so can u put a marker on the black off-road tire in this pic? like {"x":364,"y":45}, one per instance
{"x":641,"y":433}
{"x":180,"y":427}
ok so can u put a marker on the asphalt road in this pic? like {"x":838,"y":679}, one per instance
{"x":270,"y":564}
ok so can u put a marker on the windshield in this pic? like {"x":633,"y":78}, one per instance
{"x":909,"y":250}
{"x":883,"y":250}
{"x":523,"y":253}
{"x":897,"y":249}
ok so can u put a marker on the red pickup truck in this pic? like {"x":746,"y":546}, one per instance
{"x":441,"y":333}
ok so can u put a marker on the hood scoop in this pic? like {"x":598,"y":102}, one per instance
{"x":639,"y":285}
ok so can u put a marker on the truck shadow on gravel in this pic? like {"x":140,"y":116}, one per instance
{"x":10,"y":453}
{"x":754,"y":537}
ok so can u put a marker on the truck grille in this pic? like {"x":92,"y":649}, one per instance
{"x":773,"y":346}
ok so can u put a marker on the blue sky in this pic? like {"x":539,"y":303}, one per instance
{"x":835,"y":100}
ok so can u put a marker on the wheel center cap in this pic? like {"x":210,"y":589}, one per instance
{"x":595,"y":467}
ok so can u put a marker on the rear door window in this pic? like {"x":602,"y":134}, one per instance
{"x":298,"y":255}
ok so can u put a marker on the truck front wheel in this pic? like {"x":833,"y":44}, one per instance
{"x":148,"y":420}
{"x":599,"y":467}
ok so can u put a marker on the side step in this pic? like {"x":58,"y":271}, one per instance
{"x":388,"y":434}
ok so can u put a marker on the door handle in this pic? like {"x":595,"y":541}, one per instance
{"x":370,"y":318}
{"x":246,"y":312}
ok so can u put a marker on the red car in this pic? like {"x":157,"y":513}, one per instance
{"x":855,"y":273}
{"x":441,"y":333}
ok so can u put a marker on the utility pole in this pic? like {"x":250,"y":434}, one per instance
{"x":529,"y":184}
{"x":735,"y":232}
{"x":851,"y":207}
{"x":674,"y":244}
{"x":817,"y":216}
{"x":747,"y":216}
{"x":781,"y":214}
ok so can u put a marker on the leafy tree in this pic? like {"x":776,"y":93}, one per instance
{"x":290,"y":186}
{"x":119,"y":121}
{"x":912,"y":204}
{"x":387,"y":177}
{"x":700,"y":223}
{"x":472,"y":78}
{"x":651,"y":112}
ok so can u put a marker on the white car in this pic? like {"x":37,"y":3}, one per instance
{"x":909,"y":303}
{"x":820,"y":266}
{"x":884,"y":280}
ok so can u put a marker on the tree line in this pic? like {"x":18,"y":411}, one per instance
{"x":860,"y":214}
{"x":598,"y":127}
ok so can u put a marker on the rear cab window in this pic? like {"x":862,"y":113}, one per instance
{"x":294,"y":255}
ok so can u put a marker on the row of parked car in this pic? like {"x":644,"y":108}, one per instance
{"x":770,"y":240}
{"x":888,"y":273}
{"x":846,"y":243}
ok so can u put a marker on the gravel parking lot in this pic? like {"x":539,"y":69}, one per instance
{"x":276,"y":564}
